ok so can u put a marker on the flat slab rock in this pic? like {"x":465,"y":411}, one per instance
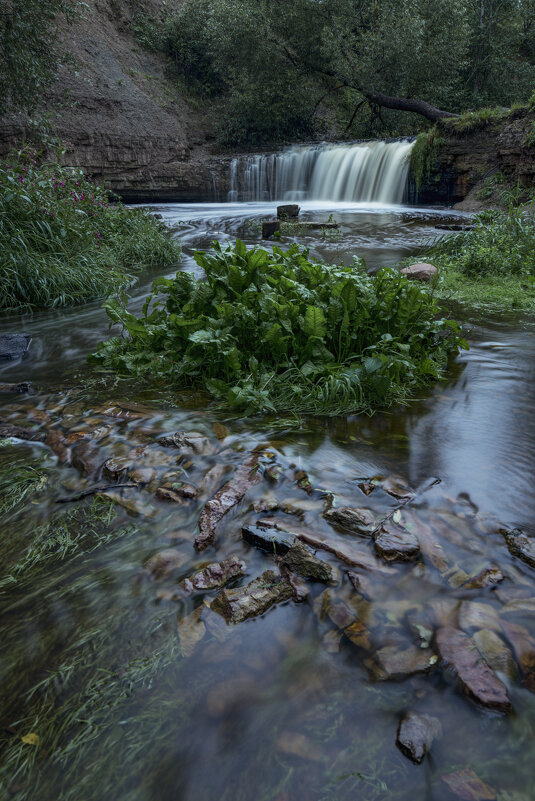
{"x":215,"y":575}
{"x":300,"y":559}
{"x":272,"y":540}
{"x":416,"y":734}
{"x":466,"y":785}
{"x":245,"y":477}
{"x":476,"y":678}
{"x":395,"y":544}
{"x":392,"y":662}
{"x":14,"y":346}
{"x":353,"y":553}
{"x":254,"y":599}
{"x":361,"y":521}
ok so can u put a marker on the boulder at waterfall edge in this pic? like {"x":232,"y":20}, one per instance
{"x":420,"y":271}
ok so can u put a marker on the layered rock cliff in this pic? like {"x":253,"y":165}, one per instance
{"x":121,"y":117}
{"x":465,"y":162}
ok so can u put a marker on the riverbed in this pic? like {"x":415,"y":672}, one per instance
{"x":117,"y":701}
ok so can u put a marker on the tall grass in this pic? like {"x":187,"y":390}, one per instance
{"x":62,"y":242}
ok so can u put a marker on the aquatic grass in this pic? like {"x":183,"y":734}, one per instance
{"x":66,"y":535}
{"x":73,"y":711}
{"x":273,"y":332}
{"x":63,"y":242}
{"x":18,"y":483}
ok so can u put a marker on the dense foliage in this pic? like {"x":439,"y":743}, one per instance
{"x":29,"y":49}
{"x":274,"y":331}
{"x":494,"y":263}
{"x":62,"y":242}
{"x":281,"y":70}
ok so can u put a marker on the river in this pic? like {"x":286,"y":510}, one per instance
{"x":281,"y":707}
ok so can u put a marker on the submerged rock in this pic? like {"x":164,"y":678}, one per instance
{"x":245,"y":477}
{"x":300,"y":559}
{"x":18,"y":432}
{"x":392,"y":662}
{"x":296,"y":744}
{"x":361,"y":521}
{"x":398,"y":488}
{"x":191,"y":631}
{"x":474,"y":615}
{"x":191,"y":441}
{"x":345,"y":619}
{"x":416,"y":734}
{"x":495,"y":652}
{"x":476,"y":678}
{"x":16,"y":388}
{"x":524,"y":650}
{"x":215,"y":575}
{"x":520,"y":545}
{"x":489,"y":577}
{"x":14,"y":346}
{"x":164,"y":562}
{"x":395,"y":544}
{"x":254,"y":599}
{"x":467,"y":785}
{"x":420,"y":272}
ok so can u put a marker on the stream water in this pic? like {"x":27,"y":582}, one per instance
{"x":291,"y":705}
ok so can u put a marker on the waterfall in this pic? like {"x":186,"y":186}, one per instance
{"x":373,"y":172}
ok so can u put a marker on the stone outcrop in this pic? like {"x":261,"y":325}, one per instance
{"x":121,"y":118}
{"x":465,"y":160}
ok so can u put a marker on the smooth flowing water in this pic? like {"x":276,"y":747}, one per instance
{"x":366,"y":172}
{"x":138,"y":691}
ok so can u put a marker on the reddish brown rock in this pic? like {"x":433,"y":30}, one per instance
{"x":489,"y":577}
{"x":524,"y":650}
{"x":416,"y":734}
{"x":477,"y":680}
{"x":392,"y":662}
{"x":420,"y":272}
{"x":467,"y":786}
{"x":215,"y":575}
{"x":164,"y":562}
{"x":245,"y":477}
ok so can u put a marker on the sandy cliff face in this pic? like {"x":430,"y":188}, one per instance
{"x":121,"y":117}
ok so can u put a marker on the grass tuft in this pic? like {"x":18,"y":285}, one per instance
{"x":62,"y":242}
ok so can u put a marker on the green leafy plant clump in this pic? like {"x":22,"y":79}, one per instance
{"x":63,"y":242}
{"x":272,"y":331}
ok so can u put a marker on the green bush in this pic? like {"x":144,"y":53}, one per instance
{"x":62,"y":241}
{"x":502,"y":243}
{"x":471,"y":121}
{"x":273,"y":331}
{"x":492,"y":266}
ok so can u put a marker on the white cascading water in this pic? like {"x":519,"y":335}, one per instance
{"x":362,"y":172}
